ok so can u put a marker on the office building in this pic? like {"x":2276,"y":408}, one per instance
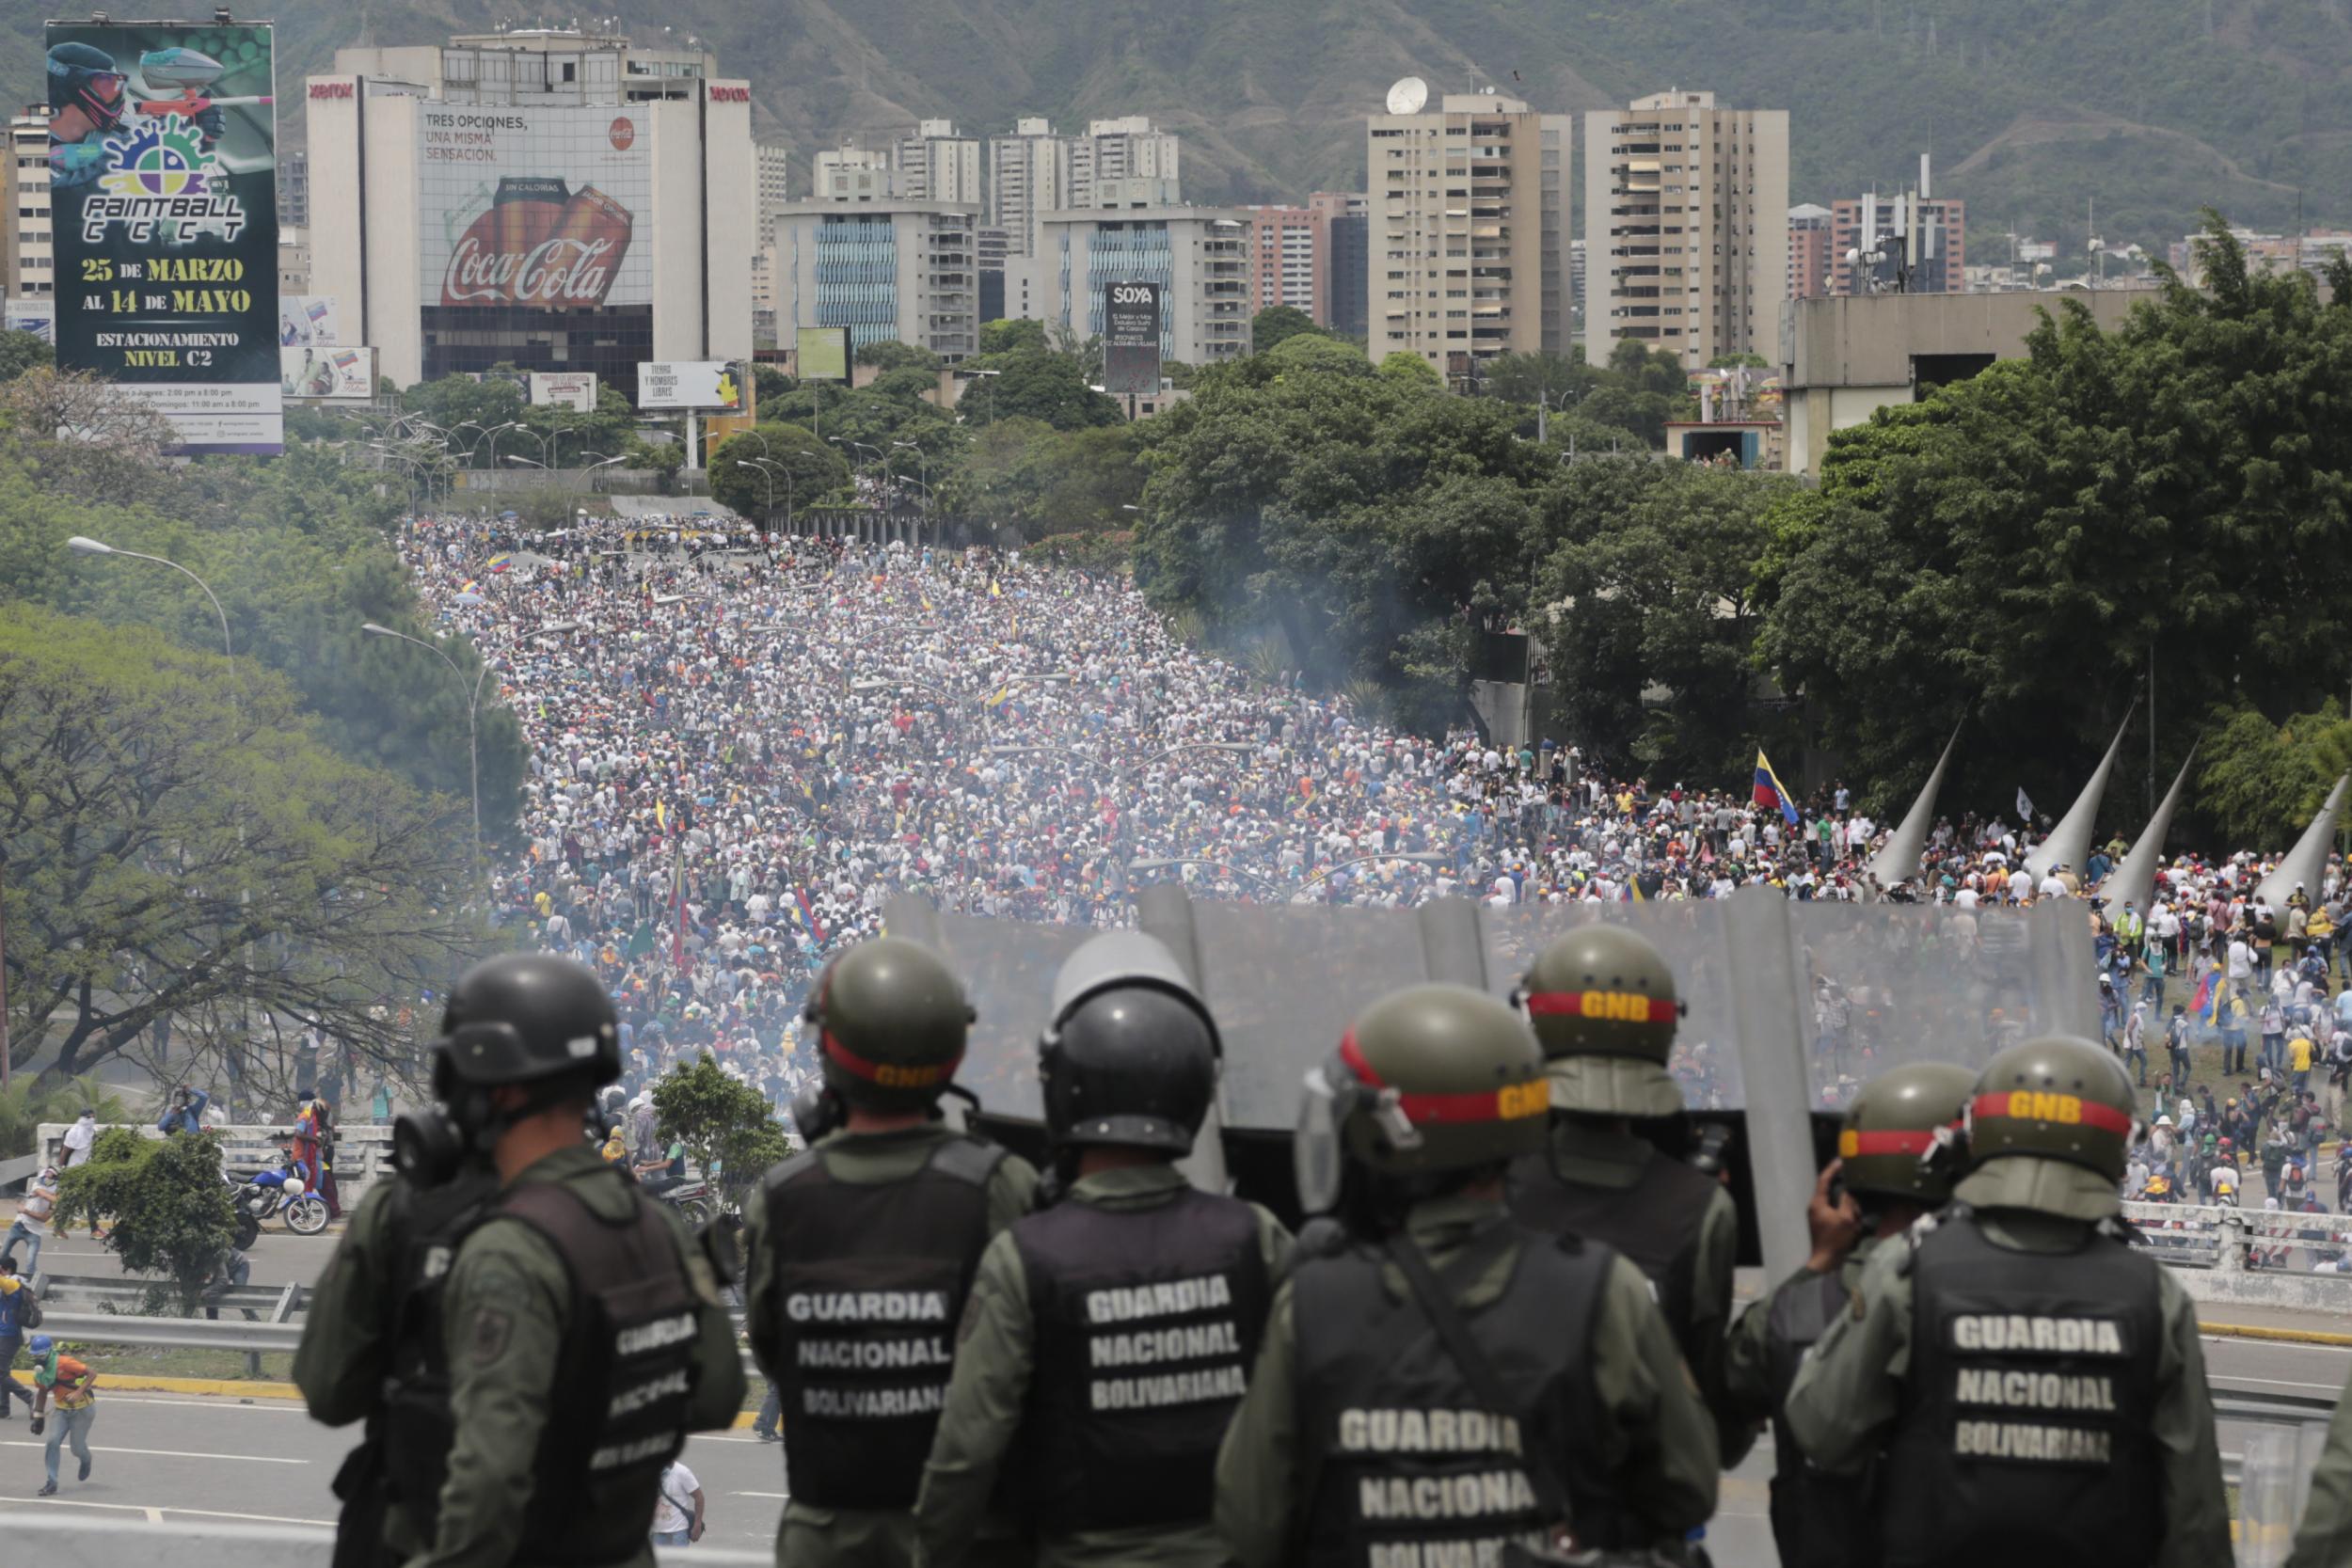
{"x":1122,"y":148}
{"x":772,"y":168}
{"x":28,"y":257}
{"x":596,"y":221}
{"x":1029,"y":173}
{"x":1338,"y":218}
{"x":1282,"y":247}
{"x":293,"y":190}
{"x":935,"y":164}
{"x":1808,"y":251}
{"x":1937,"y":246}
{"x":853,"y":174}
{"x":896,"y":269}
{"x":1686,"y":239}
{"x":1197,"y":255}
{"x":993,"y":246}
{"x":294,"y":261}
{"x":1467,"y":260}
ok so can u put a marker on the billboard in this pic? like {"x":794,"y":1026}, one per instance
{"x":689,"y":384}
{"x":35,"y":316}
{"x":327,"y":372}
{"x":532,"y":207}
{"x":573,"y":390}
{"x":1130,"y":338}
{"x":821,"y":353}
{"x":163,"y":171}
{"x":308,"y":320}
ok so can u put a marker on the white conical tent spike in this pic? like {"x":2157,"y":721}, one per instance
{"x":1899,"y":861}
{"x":2134,"y":880}
{"x":2069,"y":844}
{"x":2307,"y":862}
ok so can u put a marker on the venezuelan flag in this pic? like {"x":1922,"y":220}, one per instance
{"x":500,"y":563}
{"x":993,"y":590}
{"x":1769,"y":791}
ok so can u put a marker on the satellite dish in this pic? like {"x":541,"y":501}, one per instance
{"x":1408,"y":96}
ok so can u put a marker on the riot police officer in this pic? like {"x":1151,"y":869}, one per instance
{"x":863,"y":1248}
{"x":2324,"y":1539}
{"x":544,"y":1338}
{"x":1108,"y":1338}
{"x":1603,"y":1004}
{"x":1438,"y":1383}
{"x":1899,"y":1152}
{"x":2031,"y":1384}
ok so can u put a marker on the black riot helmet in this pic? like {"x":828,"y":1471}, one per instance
{"x":532,"y":1019}
{"x":1131,"y":1055}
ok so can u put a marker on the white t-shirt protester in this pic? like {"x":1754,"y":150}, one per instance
{"x":676,"y":1511}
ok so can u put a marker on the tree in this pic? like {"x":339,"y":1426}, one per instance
{"x":1013,"y":336}
{"x":20,"y":352}
{"x":805,"y":470}
{"x":2015,"y":547}
{"x":1410,"y":370}
{"x":1048,"y":387}
{"x":168,"y":1211}
{"x":175,"y":853}
{"x":87,"y":437}
{"x":466,"y":408}
{"x":2261,"y":783}
{"x":1275,"y":324}
{"x":725,"y":1123}
{"x":29,"y":1101}
{"x":1313,"y":351}
{"x":892,"y":355}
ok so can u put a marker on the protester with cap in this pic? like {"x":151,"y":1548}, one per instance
{"x":68,"y":1382}
{"x":2034,"y":1383}
{"x":1899,"y":1148}
{"x":1108,"y":1338}
{"x":863,"y":1250}
{"x":1603,"y":1004}
{"x":1404,"y":1303}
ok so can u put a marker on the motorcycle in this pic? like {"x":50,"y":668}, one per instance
{"x":689,"y":1196}
{"x":283,"y":1193}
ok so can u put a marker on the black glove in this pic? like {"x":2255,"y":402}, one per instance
{"x":214,"y":124}
{"x":39,"y":1422}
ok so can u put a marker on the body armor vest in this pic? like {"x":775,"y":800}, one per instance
{"x":2025,"y":1435}
{"x":625,"y":1378}
{"x":1818,"y":1521}
{"x":413,"y":1433}
{"x":1403,"y":1461}
{"x":1148,"y":1323}
{"x":1653,"y":1224}
{"x":870,"y":1285}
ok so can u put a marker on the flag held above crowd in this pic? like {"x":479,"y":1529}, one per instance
{"x":1770,"y":792}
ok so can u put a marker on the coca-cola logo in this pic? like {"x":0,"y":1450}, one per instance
{"x":624,"y":134}
{"x":729,"y":94}
{"x":331,"y":89}
{"x":557,"y":270}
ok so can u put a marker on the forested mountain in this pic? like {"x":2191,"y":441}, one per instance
{"x":2034,"y":108}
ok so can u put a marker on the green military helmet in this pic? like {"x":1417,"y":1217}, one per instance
{"x":2056,"y":1098}
{"x":892,"y":1022}
{"x":1602,"y":1000}
{"x":1432,"y":1078}
{"x":1902,"y":1135}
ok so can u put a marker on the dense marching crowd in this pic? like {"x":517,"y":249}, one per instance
{"x":741,"y":749}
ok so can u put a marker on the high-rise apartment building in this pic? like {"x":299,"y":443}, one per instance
{"x":1029,"y":173}
{"x":293,"y":190}
{"x":884,"y":269}
{"x":1462,"y":219}
{"x":28,"y":257}
{"x":1281,"y":258}
{"x":1937,"y":246}
{"x":937,"y":163}
{"x":853,"y":174}
{"x":1808,"y":251}
{"x":1686,"y":236}
{"x":1197,"y":255}
{"x":771,"y":167}
{"x":1122,"y":148}
{"x":1339,"y":219}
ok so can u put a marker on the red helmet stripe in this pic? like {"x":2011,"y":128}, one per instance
{"x":2042,"y":1105}
{"x":1895,"y":1142}
{"x":886,"y":1074}
{"x":1484,"y":1105}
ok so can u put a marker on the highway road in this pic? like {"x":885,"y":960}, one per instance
{"x":164,"y":1457}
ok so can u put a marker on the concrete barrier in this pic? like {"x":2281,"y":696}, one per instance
{"x":363,"y":1154}
{"x":2249,"y":1257}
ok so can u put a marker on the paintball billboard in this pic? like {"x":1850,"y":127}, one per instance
{"x":163,"y":172}
{"x":534,"y":208}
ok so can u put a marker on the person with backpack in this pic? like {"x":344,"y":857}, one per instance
{"x":69,"y":1382}
{"x":18,"y":1313}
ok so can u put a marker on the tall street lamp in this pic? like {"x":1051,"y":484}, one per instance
{"x":473,"y":709}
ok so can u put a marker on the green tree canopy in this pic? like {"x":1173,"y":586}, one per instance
{"x":725,"y":1123}
{"x":804,"y":469}
{"x":1313,"y":351}
{"x":1039,"y":386}
{"x":892,"y":355}
{"x":1278,"y":324}
{"x":1013,"y":336}
{"x":168,"y":1211}
{"x":1412,"y":369}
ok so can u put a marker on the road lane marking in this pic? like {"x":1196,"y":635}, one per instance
{"x":778,"y":1497}
{"x":174,"y":1454}
{"x":153,"y":1513}
{"x":2287,"y":1383}
{"x":220,"y":1401}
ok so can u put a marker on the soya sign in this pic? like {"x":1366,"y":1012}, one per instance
{"x":1130,"y":338}
{"x":163,"y":172}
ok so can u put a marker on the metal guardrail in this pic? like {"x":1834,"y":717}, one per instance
{"x":252,"y":1338}
{"x":363,"y":1151}
{"x":273,"y":1302}
{"x":2243,"y":1240}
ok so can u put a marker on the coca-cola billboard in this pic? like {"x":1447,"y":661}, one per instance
{"x":532,"y":209}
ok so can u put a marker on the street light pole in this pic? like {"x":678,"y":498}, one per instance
{"x":474,"y":708}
